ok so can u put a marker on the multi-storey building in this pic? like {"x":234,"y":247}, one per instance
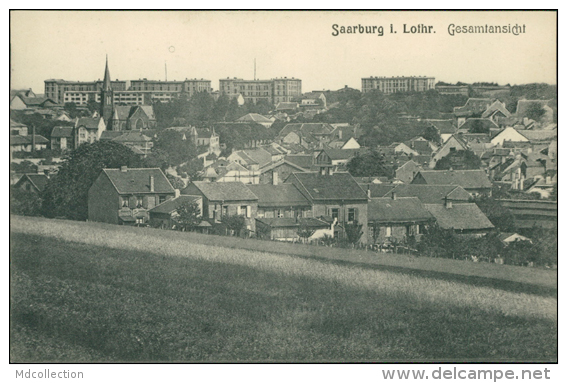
{"x":131,"y":92}
{"x":273,"y":91}
{"x":397,"y":84}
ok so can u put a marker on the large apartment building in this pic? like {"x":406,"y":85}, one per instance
{"x":397,"y":84}
{"x":131,"y":92}
{"x":274,"y":91}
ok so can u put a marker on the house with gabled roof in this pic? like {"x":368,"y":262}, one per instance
{"x":464,"y":218}
{"x":306,"y":134}
{"x":257,"y":118}
{"x":397,"y":219}
{"x":27,"y":143}
{"x":137,"y":141}
{"x":124,"y":196}
{"x":496,"y":111}
{"x":225,"y":199}
{"x":62,"y":138}
{"x":19,"y":102}
{"x":475,"y":182}
{"x":165,"y":214}
{"x":18,"y":129}
{"x":32,"y":182}
{"x":509,"y":134}
{"x":430,"y":194}
{"x":445,"y":128}
{"x":223,"y":170}
{"x":281,"y":201}
{"x":474,"y":107}
{"x":337,"y":197}
{"x":422,"y":146}
{"x":453,"y":144}
{"x":331,"y":160}
{"x":88,"y":129}
{"x":278,"y":171}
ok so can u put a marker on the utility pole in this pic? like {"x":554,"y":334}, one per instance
{"x":166,"y":71}
{"x":254,"y":68}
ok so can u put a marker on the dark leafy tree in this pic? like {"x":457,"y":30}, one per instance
{"x":535,"y":111}
{"x":188,"y":216}
{"x":176,"y":149}
{"x":431,"y":133}
{"x":235,"y":223}
{"x":66,"y":194}
{"x":500,"y":217}
{"x":459,"y":160}
{"x":353,"y":232}
{"x":176,"y":182}
{"x":24,"y":202}
{"x":23,"y":167}
{"x":368,"y":165}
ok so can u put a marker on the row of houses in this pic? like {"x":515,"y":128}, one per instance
{"x":324,"y":204}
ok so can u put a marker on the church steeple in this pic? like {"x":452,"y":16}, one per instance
{"x":107,"y":98}
{"x":106,"y":85}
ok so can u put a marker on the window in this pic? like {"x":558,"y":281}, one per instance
{"x":225,"y":211}
{"x":139,"y":220}
{"x":351,"y":215}
{"x":139,"y":201}
{"x":125,"y":202}
{"x":335,"y":213}
{"x":388,"y":231}
{"x":161,"y":199}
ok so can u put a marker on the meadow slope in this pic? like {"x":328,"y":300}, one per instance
{"x":92,"y":292}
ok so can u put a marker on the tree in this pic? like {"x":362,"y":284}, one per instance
{"x":24,"y":202}
{"x":368,"y":165}
{"x":353,"y":232}
{"x":535,"y":111}
{"x":304,"y":232}
{"x":176,"y":182}
{"x":500,"y":217}
{"x":176,"y":149}
{"x":188,"y":216}
{"x":459,"y":160}
{"x":235,"y":223}
{"x":191,"y":169}
{"x":66,"y":194}
{"x":431,"y":133}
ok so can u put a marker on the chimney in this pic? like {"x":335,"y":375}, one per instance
{"x":275,"y":178}
{"x":177,"y":192}
{"x":152,"y":183}
{"x":340,"y":134}
{"x":33,"y":139}
{"x":124,"y":168}
{"x":368,"y":192}
{"x":448,"y":203}
{"x":330,"y":171}
{"x":394,"y":196}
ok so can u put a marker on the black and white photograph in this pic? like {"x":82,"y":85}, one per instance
{"x":284,"y":187}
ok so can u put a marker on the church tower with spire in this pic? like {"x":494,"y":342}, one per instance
{"x":107,"y":98}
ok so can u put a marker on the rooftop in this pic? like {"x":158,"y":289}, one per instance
{"x":128,"y":181}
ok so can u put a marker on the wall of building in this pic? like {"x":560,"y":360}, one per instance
{"x":103,"y":201}
{"x":361,"y":214}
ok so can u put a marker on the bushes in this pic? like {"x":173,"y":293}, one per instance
{"x":441,"y":243}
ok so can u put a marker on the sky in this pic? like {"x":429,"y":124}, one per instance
{"x":73,"y":45}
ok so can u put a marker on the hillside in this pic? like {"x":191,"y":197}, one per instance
{"x":94,"y":292}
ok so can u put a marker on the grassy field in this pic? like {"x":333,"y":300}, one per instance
{"x":93,"y":292}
